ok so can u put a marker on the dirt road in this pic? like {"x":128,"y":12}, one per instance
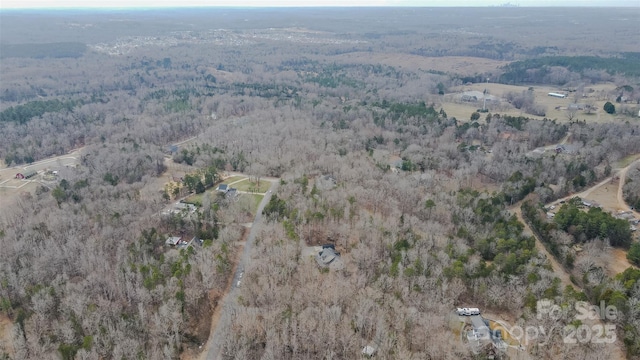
{"x":622,"y":173}
{"x":621,"y":262}
{"x":621,"y":203}
{"x":559,"y":271}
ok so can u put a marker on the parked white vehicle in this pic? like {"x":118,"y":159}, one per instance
{"x":468,"y":311}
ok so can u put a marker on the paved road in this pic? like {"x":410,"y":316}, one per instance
{"x":230,"y":301}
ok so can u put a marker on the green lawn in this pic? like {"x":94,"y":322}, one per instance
{"x":626,"y":161}
{"x":251,"y":186}
{"x":249,"y":202}
{"x":195,"y":199}
{"x":233,"y":178}
{"x":257,"y":198}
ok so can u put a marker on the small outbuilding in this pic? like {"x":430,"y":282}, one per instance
{"x":368,"y":351}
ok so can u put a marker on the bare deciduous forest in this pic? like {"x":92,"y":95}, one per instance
{"x":425,"y":210}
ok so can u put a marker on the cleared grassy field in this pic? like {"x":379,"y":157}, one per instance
{"x":556,"y":108}
{"x":231,"y":179}
{"x":251,"y":186}
{"x":624,"y":162}
{"x":465,"y":65}
{"x":257,"y":198}
{"x":195,"y":199}
{"x":8,"y":196}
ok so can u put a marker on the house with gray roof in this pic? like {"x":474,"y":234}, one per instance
{"x":328,"y":257}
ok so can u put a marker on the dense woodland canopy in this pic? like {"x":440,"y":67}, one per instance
{"x":632,"y":187}
{"x":422,"y":211}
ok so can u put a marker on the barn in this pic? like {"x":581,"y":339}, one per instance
{"x":26,"y":174}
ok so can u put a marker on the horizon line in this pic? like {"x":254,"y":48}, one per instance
{"x":250,"y":7}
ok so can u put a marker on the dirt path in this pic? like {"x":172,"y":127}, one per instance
{"x":559,"y":271}
{"x":237,"y":181}
{"x":623,"y":176}
{"x":616,"y":351}
{"x":619,"y":263}
{"x":217,"y":312}
{"x":6,"y":332}
{"x":588,"y":192}
{"x":622,"y":173}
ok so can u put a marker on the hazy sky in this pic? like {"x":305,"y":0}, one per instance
{"x":7,"y":4}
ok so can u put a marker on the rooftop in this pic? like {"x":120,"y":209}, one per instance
{"x":173,"y":241}
{"x":329,"y":257}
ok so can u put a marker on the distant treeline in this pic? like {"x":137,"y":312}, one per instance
{"x":39,"y":51}
{"x":23,"y":113}
{"x":521,"y":71}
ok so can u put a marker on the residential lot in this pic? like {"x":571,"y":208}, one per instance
{"x":556,"y":108}
{"x":11,"y":187}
